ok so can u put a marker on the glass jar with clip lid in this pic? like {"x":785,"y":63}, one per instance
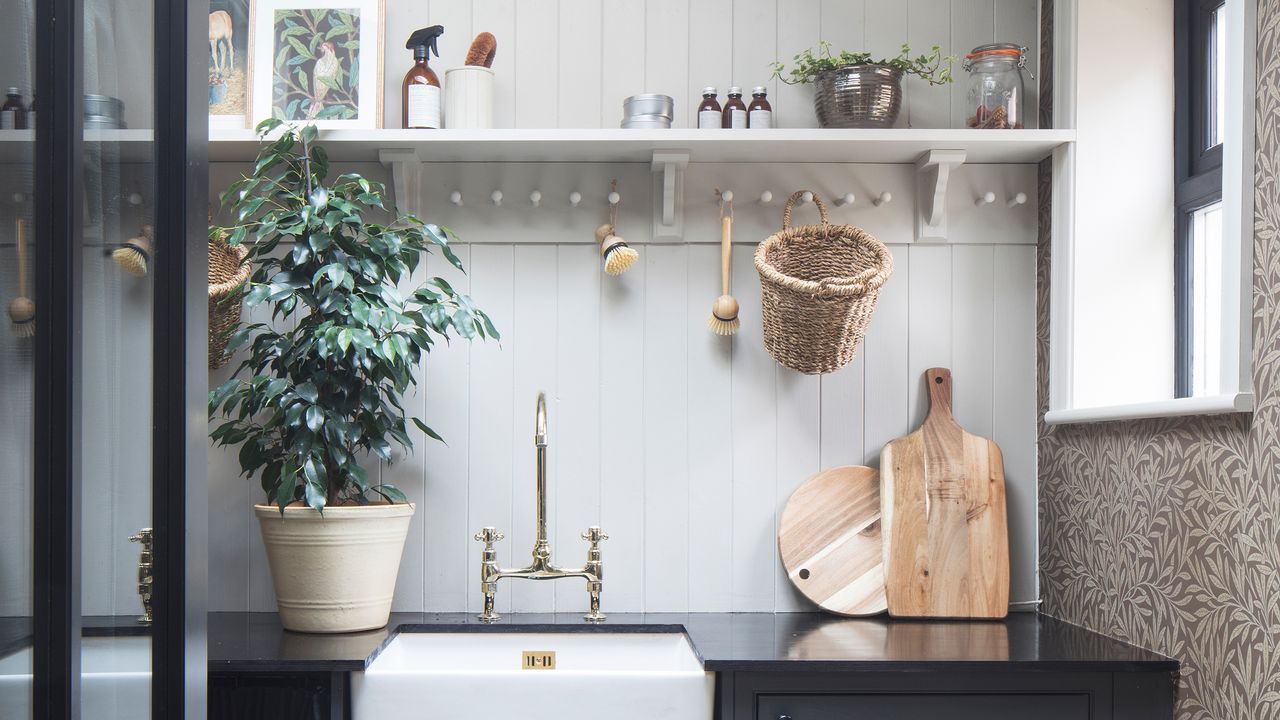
{"x":996,"y":94}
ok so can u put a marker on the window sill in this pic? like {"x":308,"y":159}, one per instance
{"x":1174,"y":407}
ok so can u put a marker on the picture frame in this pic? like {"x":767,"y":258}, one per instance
{"x":230,"y":46}
{"x":318,"y":61}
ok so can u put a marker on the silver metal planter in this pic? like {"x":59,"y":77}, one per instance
{"x":858,"y":96}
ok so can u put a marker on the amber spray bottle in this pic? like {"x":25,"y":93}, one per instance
{"x":420,"y":96}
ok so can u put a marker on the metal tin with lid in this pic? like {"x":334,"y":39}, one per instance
{"x":649,"y":104}
{"x":996,"y":86}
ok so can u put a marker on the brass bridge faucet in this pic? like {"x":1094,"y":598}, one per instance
{"x":145,"y":562}
{"x":541,"y":568}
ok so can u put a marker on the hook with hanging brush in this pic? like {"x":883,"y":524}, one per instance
{"x":618,"y":255}
{"x":724,"y":313}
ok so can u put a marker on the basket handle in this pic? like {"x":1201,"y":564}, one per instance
{"x":791,"y":204}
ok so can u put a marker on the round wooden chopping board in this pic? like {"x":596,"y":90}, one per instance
{"x":829,"y":540}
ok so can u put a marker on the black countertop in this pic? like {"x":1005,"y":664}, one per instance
{"x":16,"y":632}
{"x":255,"y":642}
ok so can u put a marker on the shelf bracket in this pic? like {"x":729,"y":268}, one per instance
{"x":406,"y":177}
{"x":668,"y":211}
{"x":933,"y":172}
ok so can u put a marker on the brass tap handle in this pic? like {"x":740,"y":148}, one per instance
{"x":594,"y":535}
{"x":489,"y":536}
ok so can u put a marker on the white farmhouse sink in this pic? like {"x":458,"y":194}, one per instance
{"x":481,"y":675}
{"x":115,"y":680}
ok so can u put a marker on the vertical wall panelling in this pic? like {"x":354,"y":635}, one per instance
{"x":842,"y":25}
{"x":536,"y":63}
{"x":710,"y":409}
{"x":533,"y":344}
{"x":493,"y":432}
{"x":666,"y":430}
{"x":456,"y":17}
{"x":499,"y":18}
{"x":754,"y":451}
{"x":885,"y":30}
{"x":929,"y":333}
{"x":973,"y":23}
{"x":446,"y":538}
{"x":710,"y":53}
{"x":885,"y":415}
{"x":407,"y":471}
{"x":799,"y":432}
{"x":929,"y":24}
{"x":622,"y":440}
{"x":666,"y":57}
{"x":754,"y":41}
{"x":1013,"y":395}
{"x":1018,"y":21}
{"x":799,"y":23}
{"x":16,"y":436}
{"x":576,"y":409}
{"x":622,"y":62}
{"x":841,"y":423}
{"x":973,"y":287}
{"x":580,"y":50}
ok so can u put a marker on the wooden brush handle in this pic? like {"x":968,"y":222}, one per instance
{"x":726,"y":252}
{"x":21,"y":244}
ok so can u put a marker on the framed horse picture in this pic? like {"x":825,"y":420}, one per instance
{"x":230,"y":38}
{"x":318,"y":62}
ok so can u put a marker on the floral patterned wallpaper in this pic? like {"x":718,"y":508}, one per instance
{"x":1166,"y":533}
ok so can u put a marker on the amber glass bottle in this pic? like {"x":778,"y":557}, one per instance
{"x":13,"y":116}
{"x":735,"y":111}
{"x":420,"y":96}
{"x":759,"y":113}
{"x":709,"y":110}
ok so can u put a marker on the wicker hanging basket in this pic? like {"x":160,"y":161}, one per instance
{"x":228,"y":273}
{"x":818,"y":288}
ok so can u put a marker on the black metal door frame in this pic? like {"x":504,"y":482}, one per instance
{"x":179,"y":490}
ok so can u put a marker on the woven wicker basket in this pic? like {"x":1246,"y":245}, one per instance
{"x":227,"y":275}
{"x":818,"y":288}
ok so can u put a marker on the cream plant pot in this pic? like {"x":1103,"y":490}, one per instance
{"x":334,"y":573}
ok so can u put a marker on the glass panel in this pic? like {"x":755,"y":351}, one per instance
{"x":116,"y":357}
{"x":17,"y":288}
{"x":1216,"y":118}
{"x":1206,"y":299}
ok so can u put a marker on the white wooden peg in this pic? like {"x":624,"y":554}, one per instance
{"x":1016,"y":200}
{"x":614,"y":198}
{"x":727,"y":196}
{"x":846,"y":199}
{"x":985,"y":199}
{"x":766,"y":197}
{"x":535,"y":198}
{"x":575,"y":198}
{"x":883,"y":198}
{"x":805,"y":198}
{"x":455,"y":197}
{"x":496,"y":197}
{"x":135,"y":198}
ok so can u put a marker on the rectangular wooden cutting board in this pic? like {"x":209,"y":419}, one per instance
{"x":945,"y":529}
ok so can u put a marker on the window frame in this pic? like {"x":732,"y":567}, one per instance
{"x":1197,"y":165}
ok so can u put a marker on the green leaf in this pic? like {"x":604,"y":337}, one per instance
{"x":307,"y":391}
{"x":391,"y":493}
{"x":315,"y":418}
{"x":428,"y":431}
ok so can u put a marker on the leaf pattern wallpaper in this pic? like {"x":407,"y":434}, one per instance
{"x":1164,"y":533}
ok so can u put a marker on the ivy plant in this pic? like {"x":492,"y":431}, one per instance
{"x":324,"y":384}
{"x":933,"y":68}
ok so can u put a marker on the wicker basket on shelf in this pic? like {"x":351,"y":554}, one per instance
{"x":228,"y":273}
{"x":818,"y":288}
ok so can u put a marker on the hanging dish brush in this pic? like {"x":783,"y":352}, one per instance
{"x":618,"y":255}
{"x":22,"y":310}
{"x":135,"y":253}
{"x":724,"y":313}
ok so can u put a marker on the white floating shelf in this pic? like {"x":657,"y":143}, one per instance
{"x":17,"y":146}
{"x":610,"y":145}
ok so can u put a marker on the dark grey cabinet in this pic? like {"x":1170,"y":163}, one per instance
{"x":945,"y":693}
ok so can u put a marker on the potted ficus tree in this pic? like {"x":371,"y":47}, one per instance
{"x":857,"y":89}
{"x":309,"y":401}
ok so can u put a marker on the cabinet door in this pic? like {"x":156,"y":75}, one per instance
{"x":912,"y":707}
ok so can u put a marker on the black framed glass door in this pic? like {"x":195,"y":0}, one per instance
{"x":101,"y":241}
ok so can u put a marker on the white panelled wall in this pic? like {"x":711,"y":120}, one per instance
{"x":683,"y":445}
{"x":570,"y":63}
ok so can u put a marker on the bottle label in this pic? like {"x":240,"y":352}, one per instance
{"x":761,"y":119}
{"x":708,"y":119}
{"x":737,"y":118}
{"x":424,"y":106}
{"x":8,"y":120}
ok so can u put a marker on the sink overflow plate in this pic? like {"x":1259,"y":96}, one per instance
{"x":538,"y":660}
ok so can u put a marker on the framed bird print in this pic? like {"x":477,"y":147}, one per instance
{"x":229,"y":28}
{"x":318,"y":61}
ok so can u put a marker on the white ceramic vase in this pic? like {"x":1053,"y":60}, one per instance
{"x":334,"y":573}
{"x":468,"y":97}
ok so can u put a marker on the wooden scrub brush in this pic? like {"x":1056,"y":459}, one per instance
{"x":724,"y":313}
{"x":135,"y":253}
{"x":22,"y":310}
{"x":618,"y":255}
